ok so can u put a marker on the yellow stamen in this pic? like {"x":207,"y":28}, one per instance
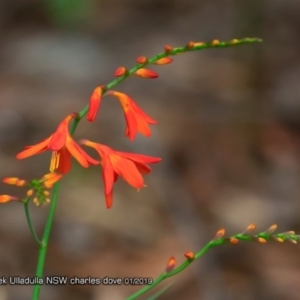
{"x":54,"y":163}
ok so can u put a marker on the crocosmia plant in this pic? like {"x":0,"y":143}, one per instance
{"x":114,"y":163}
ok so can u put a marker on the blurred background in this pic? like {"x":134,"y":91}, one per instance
{"x":228,"y":132}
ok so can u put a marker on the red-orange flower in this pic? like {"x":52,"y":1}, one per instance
{"x":94,"y":105}
{"x":6,"y":198}
{"x":129,"y":166}
{"x":62,"y":146}
{"x":136,"y":119}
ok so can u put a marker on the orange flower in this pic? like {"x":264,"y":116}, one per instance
{"x":136,"y":119}
{"x":6,"y":198}
{"x":130,"y":166}
{"x":62,"y":146}
{"x":94,"y":105}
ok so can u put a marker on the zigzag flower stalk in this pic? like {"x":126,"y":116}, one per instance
{"x":114,"y":163}
{"x":130,"y":166}
{"x":62,"y":146}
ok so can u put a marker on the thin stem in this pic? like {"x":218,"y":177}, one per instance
{"x":45,"y":240}
{"x":261,"y":237}
{"x":172,"y":52}
{"x":166,"y":275}
{"x":26,"y":207}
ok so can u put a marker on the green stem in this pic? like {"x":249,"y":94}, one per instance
{"x":26,"y":207}
{"x":246,"y":237}
{"x":45,"y":240}
{"x":166,"y":275}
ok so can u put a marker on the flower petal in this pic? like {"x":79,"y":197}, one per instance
{"x":65,"y":163}
{"x":144,"y":169}
{"x":109,"y":199}
{"x":108,"y":174}
{"x":35,"y":149}
{"x":128,"y":170}
{"x":140,"y":158}
{"x":141,"y":113}
{"x":132,"y":126}
{"x":76,"y":152}
{"x":59,"y":137}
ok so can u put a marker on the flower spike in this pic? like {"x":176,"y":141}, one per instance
{"x":145,"y":73}
{"x":136,"y":119}
{"x":62,"y":146}
{"x":129,"y":166}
